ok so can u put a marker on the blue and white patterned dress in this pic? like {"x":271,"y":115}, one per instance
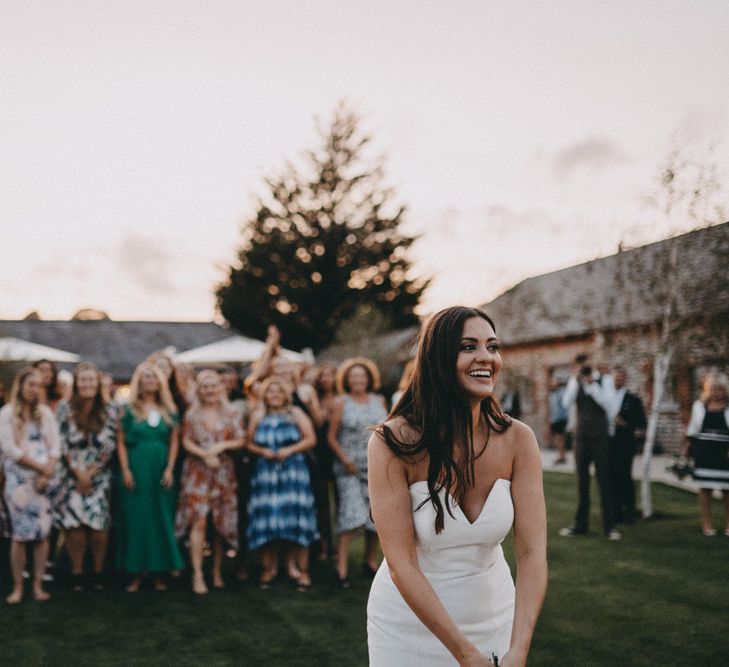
{"x":281,"y":505}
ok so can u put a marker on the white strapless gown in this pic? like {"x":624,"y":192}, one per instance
{"x":465,"y":565}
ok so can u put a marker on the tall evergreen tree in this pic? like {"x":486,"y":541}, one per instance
{"x":324,"y":242}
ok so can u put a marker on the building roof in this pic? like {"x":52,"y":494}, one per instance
{"x":617,"y":292}
{"x":116,"y":347}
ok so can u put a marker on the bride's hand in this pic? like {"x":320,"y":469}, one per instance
{"x":511,"y":659}
{"x":475,"y":659}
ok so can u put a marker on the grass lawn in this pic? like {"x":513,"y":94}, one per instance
{"x":658,"y":597}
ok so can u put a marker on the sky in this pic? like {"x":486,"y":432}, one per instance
{"x":523,"y":137}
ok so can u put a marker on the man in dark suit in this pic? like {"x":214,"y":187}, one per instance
{"x":589,"y":394}
{"x":626,"y":428}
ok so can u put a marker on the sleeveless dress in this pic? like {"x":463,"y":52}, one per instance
{"x":710,"y":451}
{"x":465,"y":565}
{"x":281,"y":505}
{"x":352,"y":493}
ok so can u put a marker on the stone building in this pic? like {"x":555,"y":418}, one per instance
{"x":610,"y":308}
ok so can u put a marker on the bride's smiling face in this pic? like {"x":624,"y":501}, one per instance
{"x":478,"y":362}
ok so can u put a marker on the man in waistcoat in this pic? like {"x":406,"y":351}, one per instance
{"x":590,"y":393}
{"x":626,"y":426}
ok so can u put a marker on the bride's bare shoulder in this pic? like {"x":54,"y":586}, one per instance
{"x":403,"y":431}
{"x":519,"y":441}
{"x":395,"y":436}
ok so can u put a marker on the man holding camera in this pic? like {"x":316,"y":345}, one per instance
{"x":591,"y":394}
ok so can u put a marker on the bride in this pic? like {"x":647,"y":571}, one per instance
{"x":449,"y":474}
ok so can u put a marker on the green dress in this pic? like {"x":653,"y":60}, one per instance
{"x":146,"y":537}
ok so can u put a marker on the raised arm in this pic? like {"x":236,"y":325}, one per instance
{"x":392,"y":514}
{"x":262,"y":367}
{"x":530,"y":541}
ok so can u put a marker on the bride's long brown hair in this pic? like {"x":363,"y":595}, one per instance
{"x":437,"y":409}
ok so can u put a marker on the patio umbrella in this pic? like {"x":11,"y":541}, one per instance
{"x":236,"y":349}
{"x":15,"y":349}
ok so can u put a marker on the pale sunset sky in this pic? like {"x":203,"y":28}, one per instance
{"x":522,"y":136}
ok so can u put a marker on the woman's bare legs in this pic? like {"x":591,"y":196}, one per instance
{"x":218,"y":561}
{"x":99,"y":543}
{"x":75,"y":539}
{"x":302,"y":563}
{"x":40,"y":556}
{"x":17,"y":565}
{"x":269,"y":561}
{"x":197,"y":542}
{"x":345,"y":540}
{"x":707,"y":523}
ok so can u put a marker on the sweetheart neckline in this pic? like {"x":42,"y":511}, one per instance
{"x":483,"y":508}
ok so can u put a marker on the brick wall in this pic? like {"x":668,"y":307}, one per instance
{"x":530,"y":367}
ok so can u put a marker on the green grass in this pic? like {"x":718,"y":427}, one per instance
{"x":656,"y":598}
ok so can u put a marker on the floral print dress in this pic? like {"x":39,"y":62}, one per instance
{"x":29,"y":510}
{"x":79,"y":449}
{"x":353,"y":495}
{"x":205,"y":490}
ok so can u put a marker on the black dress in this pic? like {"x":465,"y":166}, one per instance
{"x":710,"y":452}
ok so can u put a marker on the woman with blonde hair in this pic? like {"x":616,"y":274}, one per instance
{"x":88,"y":425}
{"x":281,"y":507}
{"x":148,"y":443}
{"x":357,"y":409}
{"x":211,"y":429}
{"x":708,"y":435}
{"x":30,"y":450}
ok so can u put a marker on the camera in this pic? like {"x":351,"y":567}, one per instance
{"x":586,"y":371}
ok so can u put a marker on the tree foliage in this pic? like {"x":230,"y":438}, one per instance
{"x":690,"y":307}
{"x":325,"y":241}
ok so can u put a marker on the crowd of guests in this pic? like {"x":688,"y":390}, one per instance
{"x":181,"y":466}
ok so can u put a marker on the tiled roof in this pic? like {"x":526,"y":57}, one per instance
{"x":114,"y":346}
{"x":618,"y":291}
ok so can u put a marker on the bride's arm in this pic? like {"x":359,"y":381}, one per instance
{"x":530,"y":541}
{"x":392,"y":514}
